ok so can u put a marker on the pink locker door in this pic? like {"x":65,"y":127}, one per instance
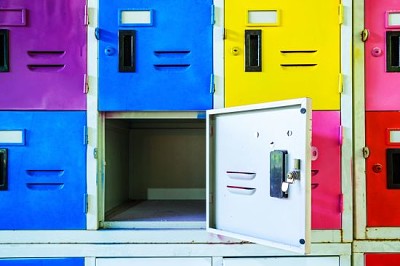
{"x":382,"y":63}
{"x":326,"y":190}
{"x":43,"y":54}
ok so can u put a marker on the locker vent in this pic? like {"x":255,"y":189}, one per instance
{"x":175,"y":57}
{"x":46,"y":54}
{"x":298,"y":58}
{"x":46,"y":67}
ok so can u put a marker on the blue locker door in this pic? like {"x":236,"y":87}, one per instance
{"x":155,"y":55}
{"x":43,"y":170}
{"x":43,"y":262}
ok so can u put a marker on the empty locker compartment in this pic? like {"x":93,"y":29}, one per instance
{"x":38,"y":60}
{"x":382,"y":47}
{"x":155,"y":56}
{"x":270,"y":46}
{"x":383,"y":169}
{"x":43,"y":170}
{"x":155,"y":172}
{"x":326,"y":191}
{"x":42,"y":262}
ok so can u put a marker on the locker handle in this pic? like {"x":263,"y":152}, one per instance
{"x":126,"y":51}
{"x":3,"y":169}
{"x":393,"y":51}
{"x":253,"y":47}
{"x":4,"y":51}
{"x":393,"y":168}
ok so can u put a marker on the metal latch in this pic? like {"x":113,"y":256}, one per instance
{"x":292,"y":176}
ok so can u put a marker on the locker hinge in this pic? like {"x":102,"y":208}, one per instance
{"x":341,"y":14}
{"x":97,"y":33}
{"x":212,"y":84}
{"x":85,"y":135}
{"x":85,"y":84}
{"x":340,"y":83}
{"x":86,"y":18}
{"x":364,"y":35}
{"x":365,"y":152}
{"x":341,"y":134}
{"x":85,"y":203}
{"x":95,"y":153}
{"x":341,"y":203}
{"x":212,"y":14}
{"x":224,"y":34}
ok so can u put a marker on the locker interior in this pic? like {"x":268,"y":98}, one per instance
{"x":155,"y":170}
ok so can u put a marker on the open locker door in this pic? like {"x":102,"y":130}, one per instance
{"x":259,"y":172}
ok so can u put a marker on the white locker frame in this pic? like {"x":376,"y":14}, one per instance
{"x":96,"y":122}
{"x":361,"y":230}
{"x":91,"y":251}
{"x":360,"y":248}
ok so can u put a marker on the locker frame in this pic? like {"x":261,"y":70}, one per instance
{"x":360,"y":248}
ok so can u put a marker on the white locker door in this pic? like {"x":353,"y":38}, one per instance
{"x":259,"y":168}
{"x":153,"y":262}
{"x":287,"y":261}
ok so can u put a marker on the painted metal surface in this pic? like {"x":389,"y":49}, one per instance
{"x":378,"y":259}
{"x":326,"y":171}
{"x":43,"y":262}
{"x":155,"y":56}
{"x":381,"y":72}
{"x":46,"y":55}
{"x":276,"y":51}
{"x":382,"y":207}
{"x":153,"y":261}
{"x":244,"y":146}
{"x":277,"y":261}
{"x":46,"y":171}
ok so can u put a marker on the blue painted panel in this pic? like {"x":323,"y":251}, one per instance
{"x":43,"y":262}
{"x":168,"y":57}
{"x":46,"y":175}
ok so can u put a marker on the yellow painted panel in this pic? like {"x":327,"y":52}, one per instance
{"x":300,"y":55}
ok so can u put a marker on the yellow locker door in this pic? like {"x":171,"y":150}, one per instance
{"x":277,"y":50}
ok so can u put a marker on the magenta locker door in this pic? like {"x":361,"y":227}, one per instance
{"x":326,"y":193}
{"x":43,"y":54}
{"x":382,"y":63}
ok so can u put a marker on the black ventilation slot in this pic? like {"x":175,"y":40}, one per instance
{"x":171,"y":54}
{"x":127,"y":47}
{"x":46,"y":54}
{"x":46,"y":67}
{"x":3,"y":170}
{"x":393,"y":51}
{"x":298,"y":51}
{"x":253,"y":44}
{"x":172,"y":67}
{"x":298,"y":65}
{"x":393,"y":168}
{"x":4,"y":51}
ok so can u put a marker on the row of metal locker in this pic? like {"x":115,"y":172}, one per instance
{"x":159,"y":58}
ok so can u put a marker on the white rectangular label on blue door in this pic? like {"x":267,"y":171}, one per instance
{"x":136,"y":17}
{"x":12,"y":137}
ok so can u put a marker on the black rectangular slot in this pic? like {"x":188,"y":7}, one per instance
{"x":253,"y":51}
{"x":127,"y":47}
{"x":277,"y":173}
{"x":393,"y":168}
{"x":393,"y":51}
{"x":4,"y":51}
{"x":3,"y":170}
